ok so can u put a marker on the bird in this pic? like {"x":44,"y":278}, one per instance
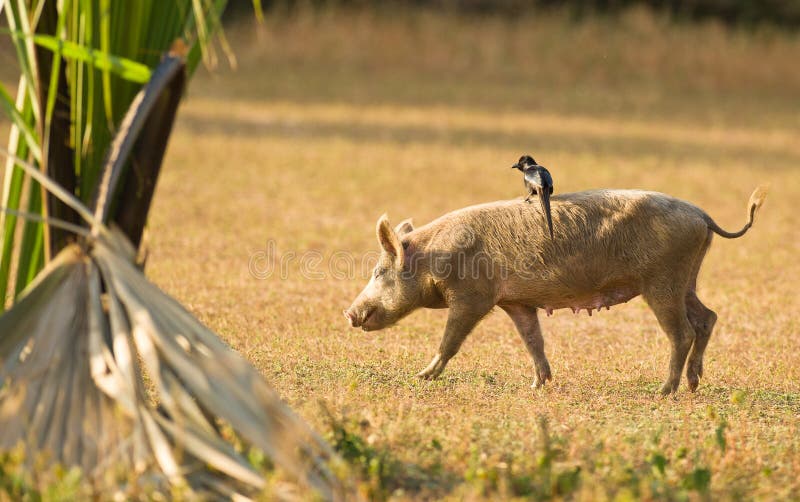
{"x":538,"y":182}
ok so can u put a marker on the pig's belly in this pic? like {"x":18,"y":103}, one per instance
{"x":577,"y":299}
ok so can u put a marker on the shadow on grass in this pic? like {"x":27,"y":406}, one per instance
{"x":639,"y":389}
{"x":758,"y":399}
{"x":613,"y":142}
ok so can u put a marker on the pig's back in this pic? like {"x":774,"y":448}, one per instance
{"x":601,"y":238}
{"x":579,"y":218}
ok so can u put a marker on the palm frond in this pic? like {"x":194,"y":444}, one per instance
{"x":75,"y":353}
{"x":19,"y":121}
{"x":12,"y":192}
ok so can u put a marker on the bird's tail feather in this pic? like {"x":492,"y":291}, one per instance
{"x":544,"y":199}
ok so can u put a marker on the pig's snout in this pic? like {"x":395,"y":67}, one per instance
{"x":358,"y":319}
{"x":351,"y":318}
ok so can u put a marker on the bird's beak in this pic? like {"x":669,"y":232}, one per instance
{"x":515,"y":166}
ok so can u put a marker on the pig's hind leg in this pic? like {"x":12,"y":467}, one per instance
{"x":461,"y":319}
{"x":527,"y":323}
{"x":702,"y":320}
{"x":667,"y":300}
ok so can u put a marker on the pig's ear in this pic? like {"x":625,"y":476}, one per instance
{"x":404,"y":227}
{"x":389,"y":240}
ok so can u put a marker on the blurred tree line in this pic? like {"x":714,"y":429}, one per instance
{"x":783,"y":13}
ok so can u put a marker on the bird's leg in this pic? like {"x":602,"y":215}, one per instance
{"x":529,"y":198}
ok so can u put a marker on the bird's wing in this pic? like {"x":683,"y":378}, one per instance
{"x":547,"y":180}
{"x":533,"y":177}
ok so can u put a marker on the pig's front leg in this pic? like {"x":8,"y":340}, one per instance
{"x":461,"y":319}
{"x":527,"y":323}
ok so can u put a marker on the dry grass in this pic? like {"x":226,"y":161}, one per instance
{"x":334,"y":119}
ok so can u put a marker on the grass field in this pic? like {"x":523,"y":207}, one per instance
{"x":335,"y":118}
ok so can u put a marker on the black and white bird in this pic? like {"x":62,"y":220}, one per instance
{"x":538,"y":182}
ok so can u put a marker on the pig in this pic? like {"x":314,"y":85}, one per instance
{"x":609,"y":247}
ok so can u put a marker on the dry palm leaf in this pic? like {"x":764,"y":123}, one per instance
{"x":77,"y":351}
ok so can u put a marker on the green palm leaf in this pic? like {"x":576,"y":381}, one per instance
{"x":127,"y":69}
{"x":82,"y":62}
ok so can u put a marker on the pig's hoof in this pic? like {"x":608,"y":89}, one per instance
{"x":669,"y":388}
{"x":694,"y":371}
{"x":428,"y":375}
{"x":542,"y":376}
{"x":433,"y":370}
